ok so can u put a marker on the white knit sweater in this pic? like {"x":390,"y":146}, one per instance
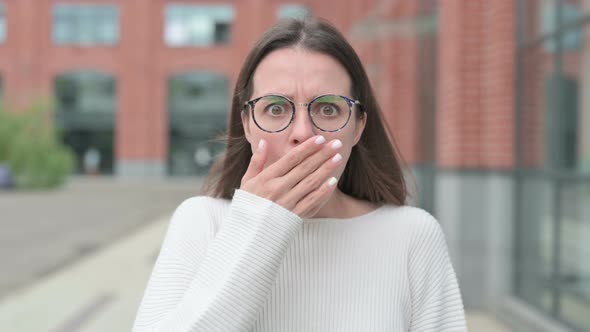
{"x":251,"y":265}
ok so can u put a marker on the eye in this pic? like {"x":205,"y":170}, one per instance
{"x":329,"y":110}
{"x":276,"y":109}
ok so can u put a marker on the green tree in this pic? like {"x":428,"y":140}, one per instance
{"x":31,"y":146}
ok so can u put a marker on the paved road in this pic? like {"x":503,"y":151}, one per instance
{"x":45,"y":231}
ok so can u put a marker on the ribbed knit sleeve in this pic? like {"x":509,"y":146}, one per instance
{"x":436,"y":298}
{"x":216,"y":282}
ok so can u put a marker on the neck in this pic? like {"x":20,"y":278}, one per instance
{"x":335,"y":207}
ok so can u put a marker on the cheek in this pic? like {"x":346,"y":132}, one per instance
{"x":271,"y":143}
{"x":345,"y":156}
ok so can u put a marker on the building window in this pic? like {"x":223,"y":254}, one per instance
{"x":549,"y":24}
{"x":198,"y":92}
{"x":198,"y":25}
{"x":552,"y":270}
{"x":85,"y":24}
{"x":85,"y":92}
{"x":2,"y":24}
{"x":85,"y":113}
{"x":198,"y":104}
{"x":293,"y":11}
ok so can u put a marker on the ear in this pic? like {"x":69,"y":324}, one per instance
{"x":359,"y":127}
{"x":246,"y":126}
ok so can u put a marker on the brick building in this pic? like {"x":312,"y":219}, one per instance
{"x":487,"y":101}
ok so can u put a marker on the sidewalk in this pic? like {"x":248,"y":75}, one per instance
{"x":102,"y":292}
{"x":99,"y":293}
{"x":48,"y":230}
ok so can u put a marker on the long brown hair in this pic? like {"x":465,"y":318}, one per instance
{"x":373,"y":172}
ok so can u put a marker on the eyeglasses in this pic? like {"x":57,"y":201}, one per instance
{"x":274,"y":113}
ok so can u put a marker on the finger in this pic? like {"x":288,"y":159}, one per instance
{"x":309,"y":206}
{"x":310,"y":182}
{"x":257,"y":161}
{"x":311,"y":164}
{"x":294,"y":157}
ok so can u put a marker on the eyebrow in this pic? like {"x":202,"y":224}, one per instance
{"x":291,"y":96}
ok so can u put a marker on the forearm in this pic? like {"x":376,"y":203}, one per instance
{"x":238,"y":269}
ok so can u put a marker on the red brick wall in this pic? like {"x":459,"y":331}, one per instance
{"x":476,"y":85}
{"x":475,"y":80}
{"x":390,"y":55}
{"x":141,"y":63}
{"x":475,"y":76}
{"x":498,"y":85}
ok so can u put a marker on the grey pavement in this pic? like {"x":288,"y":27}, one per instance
{"x":44,"y":231}
{"x":120,"y":226}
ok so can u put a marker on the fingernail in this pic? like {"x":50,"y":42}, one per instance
{"x":336,"y":158}
{"x":261,"y":144}
{"x":320,"y":140}
{"x":332,"y":181}
{"x":337,"y":144}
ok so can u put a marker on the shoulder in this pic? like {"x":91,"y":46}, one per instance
{"x":425,"y":235}
{"x":200,"y":204}
{"x":416,"y":222}
{"x":199,"y":212}
{"x":412,"y":216}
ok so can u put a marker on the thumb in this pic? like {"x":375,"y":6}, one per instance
{"x":257,"y":161}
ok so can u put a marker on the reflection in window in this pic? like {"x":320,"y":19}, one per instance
{"x":198,"y":25}
{"x":293,"y":11}
{"x":553,"y":270}
{"x":2,"y":23}
{"x":561,"y":95}
{"x":533,"y":269}
{"x":85,"y":92}
{"x":85,"y":24}
{"x":569,"y":13}
{"x":574,"y":265}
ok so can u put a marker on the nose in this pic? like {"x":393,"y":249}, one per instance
{"x":301,"y":128}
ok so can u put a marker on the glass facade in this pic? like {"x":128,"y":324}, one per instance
{"x":198,"y":25}
{"x":427,"y":52}
{"x":198,"y":105}
{"x":85,"y":24}
{"x":85,"y":92}
{"x":552,"y":269}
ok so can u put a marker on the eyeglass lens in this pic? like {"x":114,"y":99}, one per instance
{"x":329,"y":113}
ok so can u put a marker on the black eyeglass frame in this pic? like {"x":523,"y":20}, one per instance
{"x":349,"y":101}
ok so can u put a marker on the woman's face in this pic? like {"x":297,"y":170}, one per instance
{"x":301,"y":75}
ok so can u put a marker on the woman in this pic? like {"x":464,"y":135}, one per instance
{"x":305,"y":228}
